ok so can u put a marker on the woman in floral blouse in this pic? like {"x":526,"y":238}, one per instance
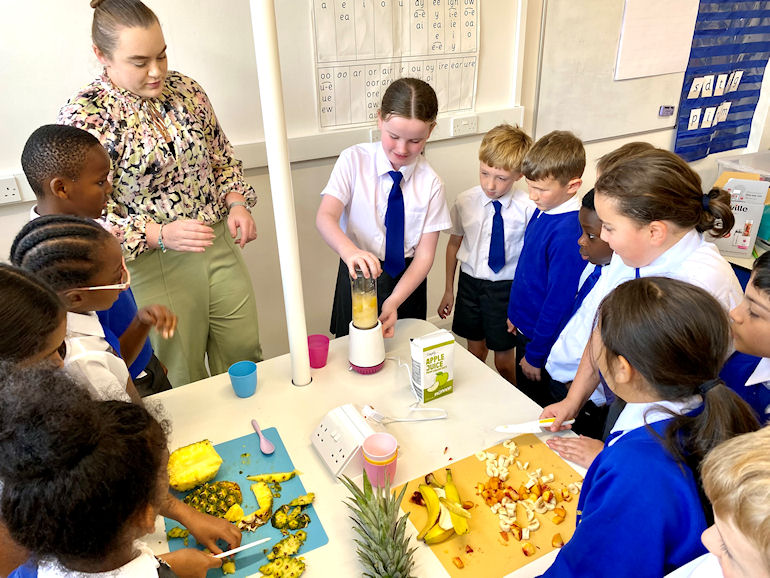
{"x":179,"y":196}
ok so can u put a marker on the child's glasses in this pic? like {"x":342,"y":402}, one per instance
{"x":122,"y":286}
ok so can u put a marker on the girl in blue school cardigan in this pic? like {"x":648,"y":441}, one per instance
{"x":659,"y":345}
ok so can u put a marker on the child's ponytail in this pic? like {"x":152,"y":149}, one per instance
{"x":724,"y":415}
{"x":657,"y":185}
{"x":717,"y":216}
{"x":677,"y":336}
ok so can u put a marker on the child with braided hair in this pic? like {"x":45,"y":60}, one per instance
{"x":82,"y":262}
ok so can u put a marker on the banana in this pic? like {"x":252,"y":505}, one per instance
{"x":437,"y":534}
{"x":459,"y":521}
{"x":433,"y":506}
{"x":455,"y":508}
{"x":445,"y":518}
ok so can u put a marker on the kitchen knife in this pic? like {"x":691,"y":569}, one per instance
{"x":241,"y":548}
{"x":534,"y":427}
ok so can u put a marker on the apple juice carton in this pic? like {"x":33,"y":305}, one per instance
{"x":433,"y":365}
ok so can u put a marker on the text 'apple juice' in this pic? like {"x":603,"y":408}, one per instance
{"x":433,"y":365}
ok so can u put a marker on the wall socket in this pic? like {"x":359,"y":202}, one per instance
{"x":462,"y":125}
{"x":9,"y":191}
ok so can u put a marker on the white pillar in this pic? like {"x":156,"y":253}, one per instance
{"x":273,"y":118}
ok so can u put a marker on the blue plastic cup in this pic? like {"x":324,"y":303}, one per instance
{"x":243,"y":377}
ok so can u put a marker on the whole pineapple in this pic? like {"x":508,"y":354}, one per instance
{"x":215,"y":498}
{"x":383,"y":547}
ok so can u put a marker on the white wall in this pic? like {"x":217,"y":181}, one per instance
{"x":455,"y":160}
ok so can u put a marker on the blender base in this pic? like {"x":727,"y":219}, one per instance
{"x":367,"y":370}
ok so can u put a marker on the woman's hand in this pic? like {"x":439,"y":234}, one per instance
{"x":187,"y":235}
{"x":190,"y":563}
{"x":582,"y":450}
{"x":240,"y":218}
{"x":160,"y":317}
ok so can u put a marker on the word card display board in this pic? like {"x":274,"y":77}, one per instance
{"x":730,"y":49}
{"x":363,"y":45}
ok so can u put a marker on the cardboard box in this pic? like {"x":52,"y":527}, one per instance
{"x":747,"y":200}
{"x":433,"y":365}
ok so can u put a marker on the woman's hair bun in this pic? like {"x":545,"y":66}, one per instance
{"x":96,"y":3}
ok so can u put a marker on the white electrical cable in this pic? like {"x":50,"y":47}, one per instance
{"x":369,"y":412}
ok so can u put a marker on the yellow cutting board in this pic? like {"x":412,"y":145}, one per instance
{"x":483,"y":550}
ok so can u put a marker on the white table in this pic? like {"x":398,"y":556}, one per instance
{"x":480,"y":401}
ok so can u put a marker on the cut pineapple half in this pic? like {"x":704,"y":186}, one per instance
{"x":192,"y":465}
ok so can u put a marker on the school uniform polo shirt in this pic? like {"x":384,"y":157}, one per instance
{"x":144,"y":565}
{"x":90,"y":361}
{"x":472,"y":216}
{"x":692,"y":259}
{"x":360,"y":181}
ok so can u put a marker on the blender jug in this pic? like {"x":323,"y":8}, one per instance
{"x":364,"y":295}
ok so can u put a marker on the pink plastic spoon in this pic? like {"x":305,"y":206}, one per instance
{"x":265,"y":445}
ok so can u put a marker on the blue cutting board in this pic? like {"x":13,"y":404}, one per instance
{"x":242,"y":458}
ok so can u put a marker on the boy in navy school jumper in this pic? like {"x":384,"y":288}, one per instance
{"x":559,"y":368}
{"x":544,"y":287}
{"x":68,"y":169}
{"x":487,"y":234}
{"x":747,"y":371}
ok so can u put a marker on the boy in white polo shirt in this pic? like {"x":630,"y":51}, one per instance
{"x":488,"y":223}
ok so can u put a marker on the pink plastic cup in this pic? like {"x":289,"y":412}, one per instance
{"x":318,"y":346}
{"x":380,"y":455}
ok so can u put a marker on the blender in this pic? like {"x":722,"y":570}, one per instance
{"x":367,"y":347}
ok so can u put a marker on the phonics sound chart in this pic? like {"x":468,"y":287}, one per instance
{"x":364,"y":45}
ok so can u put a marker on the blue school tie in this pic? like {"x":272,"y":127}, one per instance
{"x":586,"y":287}
{"x":394,"y":228}
{"x":637,"y":274}
{"x":497,"y":240}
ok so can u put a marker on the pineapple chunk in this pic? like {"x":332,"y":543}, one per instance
{"x":288,"y":546}
{"x":284,"y":568}
{"x":228,"y":567}
{"x":190,"y":466}
{"x":305,"y":500}
{"x":277,"y":477}
{"x":234,"y":514}
{"x":264,"y":500}
{"x":557,"y":541}
{"x":177,"y":532}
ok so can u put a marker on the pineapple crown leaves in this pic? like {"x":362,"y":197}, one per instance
{"x":377,"y":522}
